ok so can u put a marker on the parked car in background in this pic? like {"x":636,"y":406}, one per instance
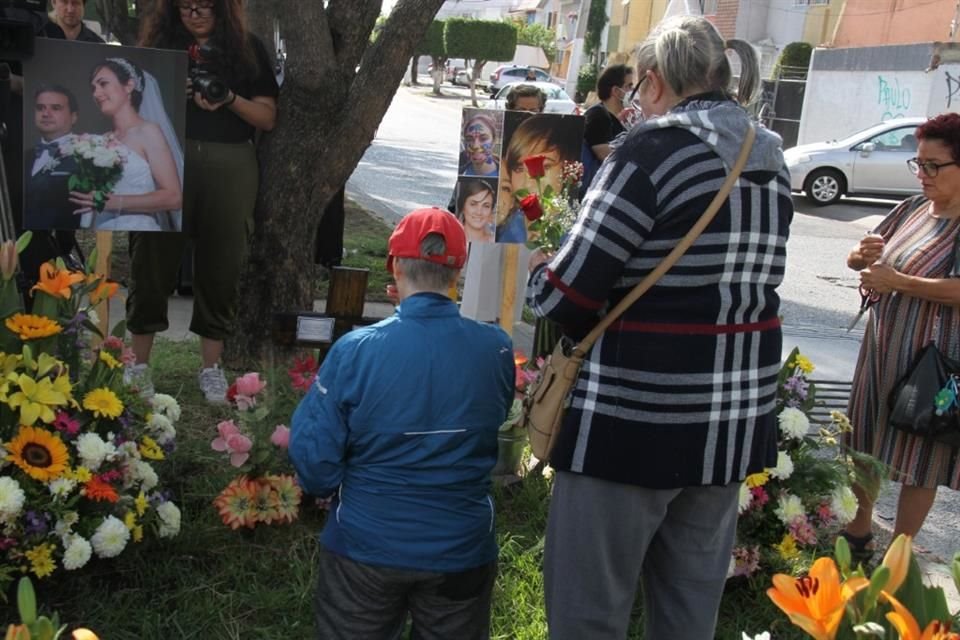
{"x":505,"y":74}
{"x":557,"y":99}
{"x":868,"y":162}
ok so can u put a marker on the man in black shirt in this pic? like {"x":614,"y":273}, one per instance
{"x":68,"y":15}
{"x":601,"y":124}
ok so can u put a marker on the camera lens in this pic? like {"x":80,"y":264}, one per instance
{"x":215,"y":91}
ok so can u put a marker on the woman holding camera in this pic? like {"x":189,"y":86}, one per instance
{"x":220,"y":181}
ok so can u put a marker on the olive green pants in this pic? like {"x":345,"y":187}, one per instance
{"x":220,"y":191}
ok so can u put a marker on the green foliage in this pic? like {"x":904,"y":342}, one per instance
{"x":537,"y":35}
{"x":796,"y":55}
{"x":586,"y":79}
{"x":378,"y":27}
{"x":480,"y":40}
{"x":596,"y":21}
{"x":432,"y":44}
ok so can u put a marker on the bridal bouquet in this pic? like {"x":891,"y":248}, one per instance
{"x":81,"y":454}
{"x":266,"y":492}
{"x":550,"y":212}
{"x":100,"y":160}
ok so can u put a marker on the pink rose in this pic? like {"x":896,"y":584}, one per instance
{"x":250,"y":384}
{"x":281,"y":436}
{"x":232,"y":441}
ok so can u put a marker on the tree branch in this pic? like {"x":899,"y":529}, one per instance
{"x":351,"y":22}
{"x":311,"y":57}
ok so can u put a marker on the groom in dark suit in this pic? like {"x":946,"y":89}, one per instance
{"x":47,"y":204}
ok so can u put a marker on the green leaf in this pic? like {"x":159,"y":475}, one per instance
{"x":24,"y":240}
{"x":87,"y":324}
{"x":92,"y":261}
{"x":119,"y":329}
{"x":42,"y":629}
{"x":26,"y":601}
{"x":520,"y":194}
{"x":548,"y":192}
{"x":955,"y":570}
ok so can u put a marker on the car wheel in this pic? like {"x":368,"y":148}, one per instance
{"x":825,"y":186}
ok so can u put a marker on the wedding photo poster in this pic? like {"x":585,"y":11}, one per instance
{"x":557,"y":137}
{"x":103,"y":137}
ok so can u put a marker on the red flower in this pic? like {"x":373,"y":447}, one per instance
{"x":534,"y":165}
{"x":530,"y":205}
{"x":232,"y":393}
{"x":302,"y":372}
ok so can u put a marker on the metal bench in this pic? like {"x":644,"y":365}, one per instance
{"x":831,"y":395}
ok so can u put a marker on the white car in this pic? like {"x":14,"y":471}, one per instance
{"x":869,"y":162}
{"x":557,"y":99}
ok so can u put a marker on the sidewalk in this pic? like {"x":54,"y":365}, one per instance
{"x":833,"y":352}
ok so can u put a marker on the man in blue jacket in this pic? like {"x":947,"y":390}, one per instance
{"x":401,"y":423}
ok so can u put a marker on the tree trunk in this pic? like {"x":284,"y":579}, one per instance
{"x":329,"y":110}
{"x":477,"y":68}
{"x":439,"y":65}
{"x":414,"y":61}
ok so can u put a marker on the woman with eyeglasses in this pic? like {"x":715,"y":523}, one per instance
{"x":910,"y":261}
{"x":220,"y":180}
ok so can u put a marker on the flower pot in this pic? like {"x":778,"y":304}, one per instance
{"x":510,"y":446}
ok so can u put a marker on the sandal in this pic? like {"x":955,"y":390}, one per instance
{"x":861,"y":548}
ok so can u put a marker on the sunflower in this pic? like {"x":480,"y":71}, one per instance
{"x":57,"y":282}
{"x":30,"y":327}
{"x":103,"y":402}
{"x":39,"y":453}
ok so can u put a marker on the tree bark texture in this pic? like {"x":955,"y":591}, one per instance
{"x":337,"y":87}
{"x":414,"y":61}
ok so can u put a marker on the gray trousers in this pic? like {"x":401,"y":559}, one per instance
{"x":357,"y":601}
{"x":604,"y":538}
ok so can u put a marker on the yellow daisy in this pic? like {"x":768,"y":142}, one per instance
{"x":39,"y":453}
{"x":130,"y":520}
{"x":103,"y":402}
{"x":80,"y":474}
{"x":30,"y":327}
{"x":150,"y":449}
{"x":141,"y":504}
{"x":41,"y":560}
{"x":757,"y":479}
{"x":107,"y":358}
{"x":803,"y":363}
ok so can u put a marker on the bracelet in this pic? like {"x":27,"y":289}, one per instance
{"x":232,"y":100}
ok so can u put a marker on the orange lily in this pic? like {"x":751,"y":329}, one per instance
{"x":815,"y":602}
{"x":897,"y":559}
{"x":104,"y":291}
{"x":57,"y":282}
{"x":906,"y":625}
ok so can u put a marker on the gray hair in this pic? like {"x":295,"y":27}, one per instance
{"x":690,"y":54}
{"x":425,"y":275}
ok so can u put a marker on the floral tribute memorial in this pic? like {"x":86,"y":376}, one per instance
{"x":266,"y":491}
{"x":550,"y":212}
{"x":796,"y":508}
{"x":81,"y":453}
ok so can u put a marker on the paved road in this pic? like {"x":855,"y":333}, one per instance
{"x":412,"y":164}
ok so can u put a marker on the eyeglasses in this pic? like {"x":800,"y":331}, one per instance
{"x":930,"y":168}
{"x":636,"y":87}
{"x":200,"y":7}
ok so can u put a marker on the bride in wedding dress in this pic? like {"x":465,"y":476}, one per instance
{"x":149,"y":194}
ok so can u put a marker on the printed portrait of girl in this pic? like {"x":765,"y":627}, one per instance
{"x":480,"y":143}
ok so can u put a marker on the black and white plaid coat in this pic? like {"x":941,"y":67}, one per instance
{"x":680,"y":390}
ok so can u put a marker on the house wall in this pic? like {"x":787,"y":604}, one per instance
{"x":875,"y":22}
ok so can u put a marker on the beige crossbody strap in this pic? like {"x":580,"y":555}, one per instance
{"x":681,"y":248}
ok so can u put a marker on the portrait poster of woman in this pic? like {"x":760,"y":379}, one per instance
{"x":104,"y":131}
{"x":481,"y":132}
{"x":476,"y":204}
{"x":555,"y":136}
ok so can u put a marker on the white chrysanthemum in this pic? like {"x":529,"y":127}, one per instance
{"x":61,"y":487}
{"x":744,"y":498}
{"x":789,"y":507}
{"x":794,"y":423}
{"x":93,"y":450}
{"x":11,"y":499}
{"x":166,"y":405}
{"x":76,"y":552}
{"x":844,"y":504}
{"x":110,"y":538}
{"x":161,"y":427}
{"x":784,"y":468}
{"x":128,"y":451}
{"x":760,"y":636}
{"x":64,"y":525}
{"x":169,"y":520}
{"x":143,"y":473}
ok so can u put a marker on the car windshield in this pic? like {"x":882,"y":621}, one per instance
{"x":866,"y":134}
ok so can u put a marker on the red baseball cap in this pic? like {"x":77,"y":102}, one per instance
{"x":414,"y":227}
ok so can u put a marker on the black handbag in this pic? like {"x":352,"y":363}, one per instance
{"x":924,"y":401}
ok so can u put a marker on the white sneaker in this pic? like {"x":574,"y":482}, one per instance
{"x":213,"y":384}
{"x":138,"y":378}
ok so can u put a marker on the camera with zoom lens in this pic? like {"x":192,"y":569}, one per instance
{"x":204,"y":73}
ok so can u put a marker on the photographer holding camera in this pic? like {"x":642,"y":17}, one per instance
{"x":232,"y":93}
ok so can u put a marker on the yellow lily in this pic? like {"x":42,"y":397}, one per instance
{"x":908,"y":629}
{"x":815,"y":602}
{"x":35,"y":399}
{"x":897,"y":559}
